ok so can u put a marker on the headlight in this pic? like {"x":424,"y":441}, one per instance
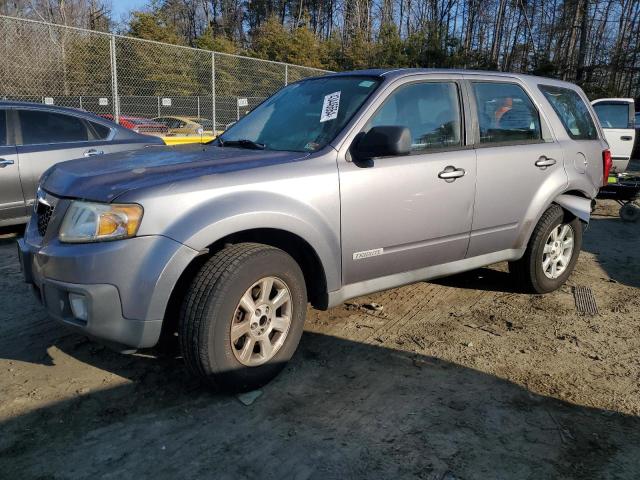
{"x":95,"y":222}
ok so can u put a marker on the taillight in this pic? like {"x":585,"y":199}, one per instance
{"x":607,"y":163}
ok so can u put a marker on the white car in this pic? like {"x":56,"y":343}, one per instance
{"x":616,"y":116}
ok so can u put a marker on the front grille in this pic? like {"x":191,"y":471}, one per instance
{"x":43,"y":215}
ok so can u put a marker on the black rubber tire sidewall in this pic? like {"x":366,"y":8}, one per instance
{"x":217,"y":363}
{"x":629,"y":212}
{"x":543,"y":284}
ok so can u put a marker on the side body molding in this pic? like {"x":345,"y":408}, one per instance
{"x":580,"y":207}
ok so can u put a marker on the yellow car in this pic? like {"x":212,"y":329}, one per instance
{"x":186,"y":125}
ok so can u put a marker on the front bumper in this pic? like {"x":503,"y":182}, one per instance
{"x":126,"y":284}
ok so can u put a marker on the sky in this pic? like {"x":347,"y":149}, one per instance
{"x":121,"y":8}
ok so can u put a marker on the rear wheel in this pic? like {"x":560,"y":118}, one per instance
{"x":243,"y":316}
{"x":551,"y":254}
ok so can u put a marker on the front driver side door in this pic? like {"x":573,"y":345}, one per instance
{"x":398,"y":214}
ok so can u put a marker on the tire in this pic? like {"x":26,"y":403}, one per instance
{"x":529,"y":269}
{"x":629,"y":212}
{"x":213,"y":304}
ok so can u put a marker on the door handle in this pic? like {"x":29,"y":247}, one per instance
{"x":92,"y":152}
{"x":450,"y":173}
{"x":626,"y":138}
{"x":544,"y":162}
{"x":4,"y":163}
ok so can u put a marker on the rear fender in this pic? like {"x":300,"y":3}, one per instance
{"x":574,"y":204}
{"x":578,"y":206}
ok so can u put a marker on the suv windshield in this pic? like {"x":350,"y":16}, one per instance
{"x":304,"y":116}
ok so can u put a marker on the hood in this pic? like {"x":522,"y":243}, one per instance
{"x":105,"y":177}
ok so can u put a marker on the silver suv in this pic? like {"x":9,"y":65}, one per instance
{"x":34,"y":137}
{"x":334,"y":187}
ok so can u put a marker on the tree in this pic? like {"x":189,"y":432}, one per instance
{"x":150,"y":26}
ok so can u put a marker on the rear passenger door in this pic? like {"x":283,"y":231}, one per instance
{"x":518,"y":162}
{"x":45,"y":138}
{"x":11,"y":199}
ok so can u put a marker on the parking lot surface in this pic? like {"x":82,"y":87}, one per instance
{"x":461,"y":378}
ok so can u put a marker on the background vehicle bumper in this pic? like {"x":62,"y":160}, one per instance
{"x":126,"y":284}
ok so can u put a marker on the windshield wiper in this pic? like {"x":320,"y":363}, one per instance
{"x":243,"y":143}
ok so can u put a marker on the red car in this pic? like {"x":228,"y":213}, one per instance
{"x":140,"y":125}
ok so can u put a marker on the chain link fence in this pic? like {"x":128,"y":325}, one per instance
{"x":130,"y":79}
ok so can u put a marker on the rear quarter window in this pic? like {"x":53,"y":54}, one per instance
{"x":102,"y":132}
{"x":572,"y":111}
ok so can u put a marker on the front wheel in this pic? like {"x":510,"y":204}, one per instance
{"x":243,"y":316}
{"x":551,"y":254}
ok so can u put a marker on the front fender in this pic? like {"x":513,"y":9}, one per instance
{"x":240,"y":211}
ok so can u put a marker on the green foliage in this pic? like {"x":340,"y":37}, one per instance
{"x":271,"y":41}
{"x":390,"y":49}
{"x":274,"y":41}
{"x":151,"y":26}
{"x":217,"y":43}
{"x":494,"y":34}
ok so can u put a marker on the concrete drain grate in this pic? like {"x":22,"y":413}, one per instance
{"x":585,"y":301}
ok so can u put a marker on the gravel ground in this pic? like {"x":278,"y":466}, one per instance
{"x":463,"y":378}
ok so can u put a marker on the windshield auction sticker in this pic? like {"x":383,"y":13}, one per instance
{"x":330,"y":107}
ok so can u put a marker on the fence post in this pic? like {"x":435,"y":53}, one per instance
{"x":213,"y":92}
{"x":114,"y":80}
{"x":286,"y":74}
{"x":198,"y":106}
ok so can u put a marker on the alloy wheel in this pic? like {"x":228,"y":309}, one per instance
{"x":558,"y":250}
{"x":261,"y":321}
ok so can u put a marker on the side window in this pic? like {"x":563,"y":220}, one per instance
{"x":431,"y":110}
{"x":102,"y":132}
{"x":505,"y":113}
{"x":614,"y":115}
{"x":572,"y":111}
{"x":48,"y":127}
{"x":3,"y":128}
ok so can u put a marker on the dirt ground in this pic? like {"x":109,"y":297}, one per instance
{"x":463,"y":378}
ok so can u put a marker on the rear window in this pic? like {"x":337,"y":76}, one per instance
{"x":3,"y":128}
{"x":572,"y":111}
{"x":48,"y":127}
{"x":613,"y":115}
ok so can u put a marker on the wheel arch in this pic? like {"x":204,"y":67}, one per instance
{"x":574,"y":202}
{"x":296,"y":246}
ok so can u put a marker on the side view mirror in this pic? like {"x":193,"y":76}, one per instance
{"x":383,"y":141}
